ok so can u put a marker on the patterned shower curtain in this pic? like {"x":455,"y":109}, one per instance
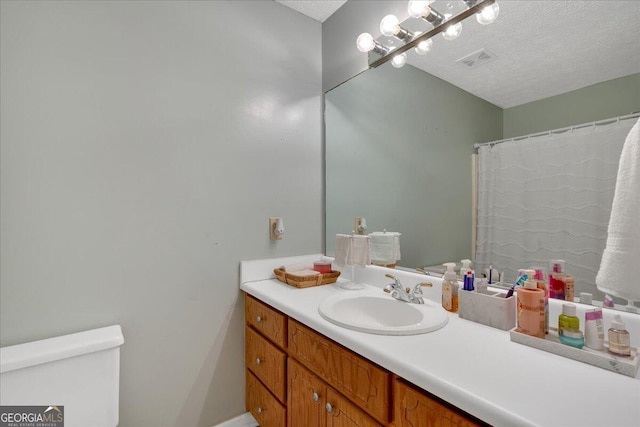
{"x":548,"y":197}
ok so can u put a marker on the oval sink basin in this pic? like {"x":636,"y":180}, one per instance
{"x":378,"y":313}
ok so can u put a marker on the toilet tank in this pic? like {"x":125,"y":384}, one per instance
{"x":78,"y":371}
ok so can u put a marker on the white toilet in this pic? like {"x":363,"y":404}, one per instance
{"x":79,"y":371}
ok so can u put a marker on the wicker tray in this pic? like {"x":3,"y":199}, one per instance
{"x":306,"y":281}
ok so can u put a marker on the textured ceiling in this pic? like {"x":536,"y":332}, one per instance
{"x":542,"y":48}
{"x":319,"y":10}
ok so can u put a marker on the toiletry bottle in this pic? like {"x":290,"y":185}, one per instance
{"x":556,"y":279}
{"x":531,"y":307}
{"x":568,"y":318}
{"x":619,"y":338}
{"x":450,"y":288}
{"x":466,"y":266}
{"x":568,"y":288}
{"x":542,"y":284}
{"x":593,"y":329}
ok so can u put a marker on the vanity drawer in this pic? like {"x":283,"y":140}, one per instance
{"x":360,"y":380}
{"x":267,"y":362}
{"x":271,"y":323}
{"x":265,"y":408}
{"x":413,"y":408}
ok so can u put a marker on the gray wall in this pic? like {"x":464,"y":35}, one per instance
{"x":399,"y":153}
{"x":612,"y":98}
{"x":143,"y":147}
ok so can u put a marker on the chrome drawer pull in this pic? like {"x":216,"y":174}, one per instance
{"x":259,"y":410}
{"x":259,"y":319}
{"x":328,"y":407}
{"x":258,"y":361}
{"x":316,"y":396}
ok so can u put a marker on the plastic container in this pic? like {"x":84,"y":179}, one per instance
{"x":619,"y":338}
{"x":568,"y":288}
{"x":556,"y":279}
{"x":568,"y":318}
{"x":593,"y":329}
{"x":450,"y":288}
{"x":530,"y":307}
{"x":572,"y":337}
{"x":322,"y":267}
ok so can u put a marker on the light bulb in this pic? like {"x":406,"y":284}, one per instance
{"x":424,"y":47}
{"x":390,"y":26}
{"x":453,"y":31}
{"x":365,"y":42}
{"x":417,"y":8}
{"x":398,"y":61}
{"x":488,"y":14}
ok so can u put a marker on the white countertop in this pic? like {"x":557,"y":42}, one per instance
{"x":474,"y":367}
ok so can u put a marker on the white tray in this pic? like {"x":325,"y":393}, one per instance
{"x":600,"y":358}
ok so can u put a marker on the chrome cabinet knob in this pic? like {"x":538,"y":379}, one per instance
{"x":316,"y":396}
{"x":258,"y":361}
{"x":328,"y":407}
{"x":259,"y":410}
{"x":259,"y":319}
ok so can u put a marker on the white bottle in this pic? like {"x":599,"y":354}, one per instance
{"x":450,"y":288}
{"x":466,"y":266}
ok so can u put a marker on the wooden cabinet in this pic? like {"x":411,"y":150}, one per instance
{"x":361,"y":381}
{"x":266,"y":320}
{"x":415,"y":408}
{"x":267,"y":362}
{"x":297,"y":377}
{"x":265,"y":408}
{"x":312,"y":403}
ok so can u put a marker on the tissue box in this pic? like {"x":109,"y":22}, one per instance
{"x":489,"y":308}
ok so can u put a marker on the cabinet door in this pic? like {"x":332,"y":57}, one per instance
{"x":306,"y":396}
{"x":414,"y":408}
{"x":267,"y":362}
{"x":267,"y":411}
{"x":355,"y":377}
{"x":342,"y":413}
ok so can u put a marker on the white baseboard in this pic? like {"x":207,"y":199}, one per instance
{"x":244,"y":420}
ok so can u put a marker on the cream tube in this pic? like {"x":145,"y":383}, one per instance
{"x":593,"y":329}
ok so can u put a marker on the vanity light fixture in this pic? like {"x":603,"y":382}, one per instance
{"x":366,"y":43}
{"x":390,"y":27}
{"x":486,"y":12}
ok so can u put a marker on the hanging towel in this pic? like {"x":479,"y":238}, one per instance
{"x":385,"y":247}
{"x":359,"y":254}
{"x":620,"y":266}
{"x":343,"y":244}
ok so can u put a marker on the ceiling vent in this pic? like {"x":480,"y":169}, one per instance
{"x":476,"y":58}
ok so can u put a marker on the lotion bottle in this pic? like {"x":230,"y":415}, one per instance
{"x":619,"y":338}
{"x":531,"y":307}
{"x":450,"y":288}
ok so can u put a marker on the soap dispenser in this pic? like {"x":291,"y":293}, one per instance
{"x":466,"y":266}
{"x":450,"y":288}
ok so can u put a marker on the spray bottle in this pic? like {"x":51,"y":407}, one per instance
{"x":450,"y":288}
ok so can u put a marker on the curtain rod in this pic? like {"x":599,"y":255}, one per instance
{"x":633,"y":115}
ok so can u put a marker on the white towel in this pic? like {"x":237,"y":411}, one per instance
{"x":359,"y":254}
{"x":385,"y":247}
{"x":620,"y":265}
{"x":343,"y":246}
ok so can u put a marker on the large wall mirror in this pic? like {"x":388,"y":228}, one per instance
{"x":399,"y":142}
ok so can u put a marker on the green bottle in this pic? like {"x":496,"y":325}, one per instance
{"x":568,"y":318}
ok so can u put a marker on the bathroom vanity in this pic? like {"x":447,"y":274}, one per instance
{"x":303,"y":370}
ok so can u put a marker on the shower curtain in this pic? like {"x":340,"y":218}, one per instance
{"x":548,"y":197}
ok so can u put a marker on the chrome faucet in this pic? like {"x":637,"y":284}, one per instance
{"x":407,"y":295}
